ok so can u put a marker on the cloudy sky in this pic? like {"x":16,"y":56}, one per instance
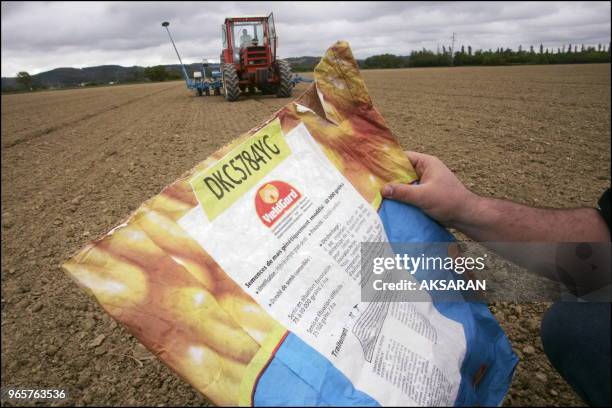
{"x":40,"y":36}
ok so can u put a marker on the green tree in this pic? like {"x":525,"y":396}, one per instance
{"x":136,"y":76}
{"x":25,"y":79}
{"x":157,"y":73}
{"x":383,"y":61}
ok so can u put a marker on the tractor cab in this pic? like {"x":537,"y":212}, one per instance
{"x":249,"y":40}
{"x":248,"y":59}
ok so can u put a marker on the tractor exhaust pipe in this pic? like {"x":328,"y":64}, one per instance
{"x":165,"y":24}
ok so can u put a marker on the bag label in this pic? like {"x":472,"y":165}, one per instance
{"x":219,"y":186}
{"x":293,"y":243}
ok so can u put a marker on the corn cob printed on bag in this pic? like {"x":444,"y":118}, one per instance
{"x":243,"y":275}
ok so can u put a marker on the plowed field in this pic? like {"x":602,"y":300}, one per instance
{"x":77,"y":162}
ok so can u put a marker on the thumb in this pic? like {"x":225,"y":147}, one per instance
{"x":407,"y":193}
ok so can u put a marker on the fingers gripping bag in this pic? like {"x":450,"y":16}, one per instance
{"x":243,"y":275}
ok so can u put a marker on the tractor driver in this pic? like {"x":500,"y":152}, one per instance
{"x":245,"y":39}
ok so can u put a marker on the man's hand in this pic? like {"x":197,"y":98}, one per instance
{"x":439,"y":193}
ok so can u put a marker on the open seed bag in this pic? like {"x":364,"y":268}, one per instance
{"x":243,"y":275}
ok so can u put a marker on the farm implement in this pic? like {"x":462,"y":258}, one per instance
{"x":201,"y":83}
{"x":296,"y":79}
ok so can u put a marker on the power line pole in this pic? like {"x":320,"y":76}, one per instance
{"x":453,"y":49}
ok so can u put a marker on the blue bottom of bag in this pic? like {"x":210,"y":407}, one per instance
{"x":299,"y":375}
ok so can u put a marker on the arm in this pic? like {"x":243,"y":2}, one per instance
{"x":491,"y":219}
{"x":443,"y":197}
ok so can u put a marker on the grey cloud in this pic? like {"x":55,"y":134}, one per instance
{"x":44,"y":35}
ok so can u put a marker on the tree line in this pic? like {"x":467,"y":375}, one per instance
{"x":160,"y":73}
{"x":465,"y":56}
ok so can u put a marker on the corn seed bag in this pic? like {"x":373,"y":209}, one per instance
{"x":243,"y":275}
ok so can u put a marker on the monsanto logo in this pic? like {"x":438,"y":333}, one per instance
{"x":273,"y":199}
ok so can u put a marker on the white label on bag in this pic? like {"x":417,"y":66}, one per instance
{"x":292,"y":242}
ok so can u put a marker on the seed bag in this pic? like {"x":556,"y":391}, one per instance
{"x":243,"y":275}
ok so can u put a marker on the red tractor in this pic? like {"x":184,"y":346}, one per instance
{"x":249,"y":61}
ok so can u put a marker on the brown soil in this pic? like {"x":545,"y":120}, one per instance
{"x":75,"y":163}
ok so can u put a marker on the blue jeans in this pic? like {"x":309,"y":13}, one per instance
{"x":576,"y":339}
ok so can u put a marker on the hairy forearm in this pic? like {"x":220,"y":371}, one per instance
{"x":493,"y":220}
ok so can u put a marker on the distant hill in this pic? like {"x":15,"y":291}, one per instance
{"x":103,"y":74}
{"x":303,"y":63}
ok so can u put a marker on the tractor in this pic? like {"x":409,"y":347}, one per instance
{"x":249,"y":60}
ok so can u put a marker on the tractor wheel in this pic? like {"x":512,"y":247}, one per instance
{"x":199,"y":91}
{"x":231,"y":82}
{"x":285,"y":86}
